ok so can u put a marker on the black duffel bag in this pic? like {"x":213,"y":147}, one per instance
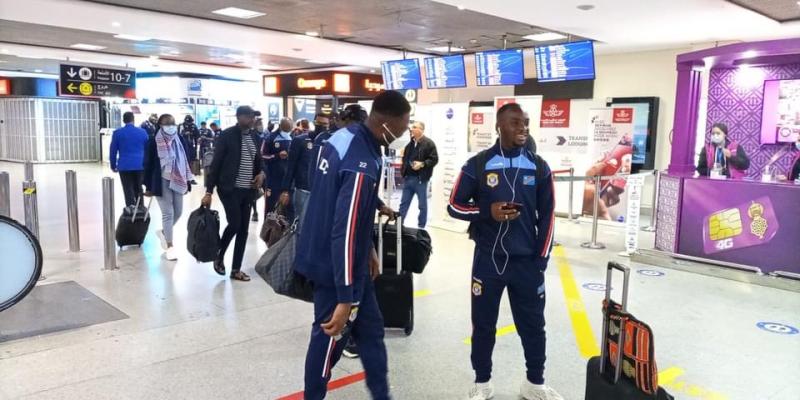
{"x":203,"y":240}
{"x":416,"y":247}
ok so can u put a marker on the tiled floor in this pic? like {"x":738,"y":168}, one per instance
{"x":194,"y":335}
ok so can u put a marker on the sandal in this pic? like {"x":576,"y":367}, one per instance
{"x":240,"y":276}
{"x":219,"y":267}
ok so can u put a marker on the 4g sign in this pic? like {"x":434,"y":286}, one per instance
{"x":96,"y":81}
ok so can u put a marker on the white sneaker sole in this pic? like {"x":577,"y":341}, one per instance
{"x":162,"y":239}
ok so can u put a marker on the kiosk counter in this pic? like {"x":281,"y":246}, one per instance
{"x":744,"y":222}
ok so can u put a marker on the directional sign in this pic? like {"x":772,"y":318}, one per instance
{"x":97,"y":81}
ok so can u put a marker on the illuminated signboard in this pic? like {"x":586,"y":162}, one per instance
{"x":323,"y":83}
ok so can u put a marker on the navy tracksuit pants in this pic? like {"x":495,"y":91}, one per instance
{"x":366,"y":328}
{"x":526,"y":294}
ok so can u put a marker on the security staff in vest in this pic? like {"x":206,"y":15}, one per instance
{"x":236,"y":174}
{"x":506,"y":193}
{"x":301,"y":157}
{"x":336,"y":252}
{"x":275,"y":153}
{"x":419,"y":158}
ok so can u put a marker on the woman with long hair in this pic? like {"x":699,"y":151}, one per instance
{"x":168,"y":177}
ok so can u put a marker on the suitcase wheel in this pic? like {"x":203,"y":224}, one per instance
{"x":410,"y":327}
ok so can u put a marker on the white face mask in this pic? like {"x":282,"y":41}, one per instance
{"x":797,"y":145}
{"x":170,"y":129}
{"x":717,"y":138}
{"x":394,"y":137}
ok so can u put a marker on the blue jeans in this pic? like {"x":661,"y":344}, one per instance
{"x":414,"y":186}
{"x":299,"y":201}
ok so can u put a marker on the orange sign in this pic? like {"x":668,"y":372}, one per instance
{"x":373,"y":86}
{"x":341,"y":83}
{"x":318,"y":84}
{"x":271,"y":85}
{"x":5,"y":87}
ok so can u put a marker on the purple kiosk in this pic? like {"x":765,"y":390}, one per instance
{"x":751,"y":223}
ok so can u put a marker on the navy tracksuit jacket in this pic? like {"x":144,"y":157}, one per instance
{"x":334,"y":253}
{"x":274,"y":166}
{"x":301,"y":157}
{"x":510,"y":254}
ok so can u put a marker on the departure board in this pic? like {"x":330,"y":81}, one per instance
{"x":565,"y":62}
{"x":445,"y":72}
{"x":402,"y":74}
{"x":500,"y":67}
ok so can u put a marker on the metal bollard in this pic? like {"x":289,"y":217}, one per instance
{"x":571,"y":195}
{"x":109,"y":247}
{"x":72,"y":212}
{"x":29,"y":171}
{"x":5,"y":195}
{"x":31,"y":207}
{"x":594,"y":244}
{"x":654,"y":208}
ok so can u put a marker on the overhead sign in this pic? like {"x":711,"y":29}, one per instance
{"x":323,"y":83}
{"x":96,"y":81}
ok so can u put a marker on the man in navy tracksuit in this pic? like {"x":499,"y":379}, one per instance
{"x":301,"y":158}
{"x":336,"y":252}
{"x":352,"y":113}
{"x":506,"y":192}
{"x":275,"y":152}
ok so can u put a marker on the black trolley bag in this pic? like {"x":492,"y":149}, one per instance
{"x":394,"y":287}
{"x":416,"y":247}
{"x":133,"y":224}
{"x":203,"y":239}
{"x":629,"y":374}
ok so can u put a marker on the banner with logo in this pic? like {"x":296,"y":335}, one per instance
{"x":481,"y":129}
{"x":634,"y":188}
{"x":610,"y":150}
{"x":448,"y":126}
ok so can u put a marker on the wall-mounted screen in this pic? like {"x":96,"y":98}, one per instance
{"x":780,"y":116}
{"x":445,"y":72}
{"x":402,"y":74}
{"x":500,"y":67}
{"x":645,"y":129}
{"x":565,"y":62}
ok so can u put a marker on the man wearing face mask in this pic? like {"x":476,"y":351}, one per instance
{"x":507,"y":194}
{"x":722,"y":157}
{"x":275,"y":153}
{"x":301,"y":157}
{"x":150,"y":125}
{"x":336,"y":251}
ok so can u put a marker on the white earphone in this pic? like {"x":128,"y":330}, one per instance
{"x":498,"y":238}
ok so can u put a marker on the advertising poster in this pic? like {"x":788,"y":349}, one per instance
{"x":611,"y":150}
{"x":634,"y":189}
{"x":788,"y":126}
{"x":481,"y":129}
{"x":740,"y":223}
{"x":448,"y":126}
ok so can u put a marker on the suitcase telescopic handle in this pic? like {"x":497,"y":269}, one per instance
{"x":380,"y":245}
{"x":606,"y":320}
{"x":399,"y":248}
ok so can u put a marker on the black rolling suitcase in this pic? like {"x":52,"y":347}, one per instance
{"x":394,"y":289}
{"x":133,"y":224}
{"x":605,"y":379}
{"x":416,"y":245}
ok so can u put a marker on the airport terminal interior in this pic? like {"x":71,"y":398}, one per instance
{"x":659,"y":137}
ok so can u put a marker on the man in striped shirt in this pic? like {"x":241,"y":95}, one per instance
{"x":506,"y":192}
{"x":336,"y":251}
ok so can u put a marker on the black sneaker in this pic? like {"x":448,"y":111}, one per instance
{"x":255,"y":217}
{"x":351,"y":350}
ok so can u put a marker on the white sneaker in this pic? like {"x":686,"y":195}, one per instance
{"x":482,"y":391}
{"x":529,"y":391}
{"x":171,"y":254}
{"x":160,"y":234}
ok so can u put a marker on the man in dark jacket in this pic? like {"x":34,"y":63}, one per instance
{"x":419,"y":158}
{"x":149,"y":125}
{"x":236,"y":173}
{"x":301,"y":158}
{"x":275,"y":155}
{"x":336,"y":251}
{"x":506,"y":193}
{"x":190,"y":132}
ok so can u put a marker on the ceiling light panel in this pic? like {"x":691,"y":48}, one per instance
{"x":545,"y":37}
{"x":84,"y":46}
{"x":236,"y":12}
{"x":445,"y":48}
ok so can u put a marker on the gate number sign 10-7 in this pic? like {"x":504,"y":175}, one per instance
{"x":96,"y":81}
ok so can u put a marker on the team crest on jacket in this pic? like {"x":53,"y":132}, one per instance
{"x":477,"y":287}
{"x":277,"y":145}
{"x":492,"y":180}
{"x":310,"y":145}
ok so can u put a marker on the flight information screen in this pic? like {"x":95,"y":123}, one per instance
{"x":445,"y":72}
{"x":565,"y":62}
{"x":500,"y":67}
{"x":402,"y":74}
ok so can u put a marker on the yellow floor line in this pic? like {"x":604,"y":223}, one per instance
{"x":587,"y":343}
{"x":500,"y":332}
{"x":421,"y":293}
{"x":669,"y":375}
